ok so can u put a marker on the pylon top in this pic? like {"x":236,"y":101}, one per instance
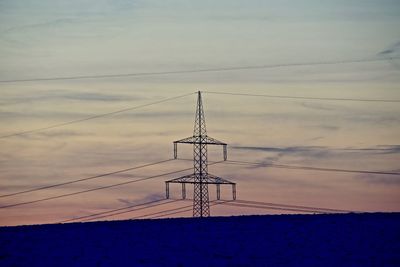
{"x":200,"y":120}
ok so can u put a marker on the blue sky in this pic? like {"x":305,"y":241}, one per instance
{"x":67,"y":38}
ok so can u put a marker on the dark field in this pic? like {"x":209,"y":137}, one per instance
{"x":279,"y":240}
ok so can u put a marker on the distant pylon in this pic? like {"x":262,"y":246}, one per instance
{"x":200,"y":177}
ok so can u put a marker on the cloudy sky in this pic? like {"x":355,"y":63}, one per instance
{"x":47,"y":39}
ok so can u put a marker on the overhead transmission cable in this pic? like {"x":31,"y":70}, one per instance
{"x":272,"y":208}
{"x":150,"y":204}
{"x":287,"y":207}
{"x":290,"y":206}
{"x":123,"y":210}
{"x":109,"y":211}
{"x":167,"y":201}
{"x":238,"y":203}
{"x":96,"y":188}
{"x":248,"y":204}
{"x":119,"y":211}
{"x":200,"y":70}
{"x":308,"y":168}
{"x":172,"y":98}
{"x":90,"y":190}
{"x":186,"y":208}
{"x":176,"y":211}
{"x":93,"y":117}
{"x":298,"y":167}
{"x":83,"y":179}
{"x":306,"y":97}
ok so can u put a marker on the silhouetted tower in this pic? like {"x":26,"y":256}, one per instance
{"x":200,"y":177}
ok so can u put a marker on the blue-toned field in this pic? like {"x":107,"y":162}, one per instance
{"x":278,"y":240}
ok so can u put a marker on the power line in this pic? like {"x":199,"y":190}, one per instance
{"x":297,"y":167}
{"x":184,"y":209}
{"x":110,"y":211}
{"x":180,"y":96}
{"x":174,"y":212}
{"x":96,"y":189}
{"x":106,"y":213}
{"x":160,"y":212}
{"x":180,"y":210}
{"x":219,"y":69}
{"x":123,"y":212}
{"x":114,"y":212}
{"x":308,"y":168}
{"x":291,"y":206}
{"x":92,"y":117}
{"x":306,"y":98}
{"x":96,"y":216}
{"x":272,"y":208}
{"x":285,"y":205}
{"x":91,"y":190}
{"x":84,"y":179}
{"x":249,"y":204}
{"x":277,"y":206}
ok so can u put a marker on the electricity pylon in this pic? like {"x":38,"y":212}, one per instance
{"x":200,"y":177}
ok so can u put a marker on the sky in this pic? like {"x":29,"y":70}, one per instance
{"x":45,"y":39}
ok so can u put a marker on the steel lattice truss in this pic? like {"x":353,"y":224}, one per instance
{"x":200,"y":177}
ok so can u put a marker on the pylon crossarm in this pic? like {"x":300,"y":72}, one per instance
{"x":204,"y":182}
{"x":209,"y":179}
{"x":195,"y":140}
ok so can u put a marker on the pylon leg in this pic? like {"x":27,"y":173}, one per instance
{"x":218,"y":192}
{"x":201,"y":205}
{"x":234,"y":191}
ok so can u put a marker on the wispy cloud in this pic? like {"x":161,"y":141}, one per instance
{"x":326,"y":127}
{"x":322,"y":151}
{"x":294,"y":149}
{"x":385,"y":149}
{"x":299,"y":151}
{"x":58,"y":134}
{"x":46,"y":96}
{"x":319,"y":106}
{"x":100,"y":97}
{"x":148,"y":198}
{"x":379,"y":179}
{"x":391,"y":50}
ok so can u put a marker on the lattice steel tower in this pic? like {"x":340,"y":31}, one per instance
{"x":200,"y":177}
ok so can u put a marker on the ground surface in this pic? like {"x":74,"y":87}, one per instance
{"x":280,"y":240}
